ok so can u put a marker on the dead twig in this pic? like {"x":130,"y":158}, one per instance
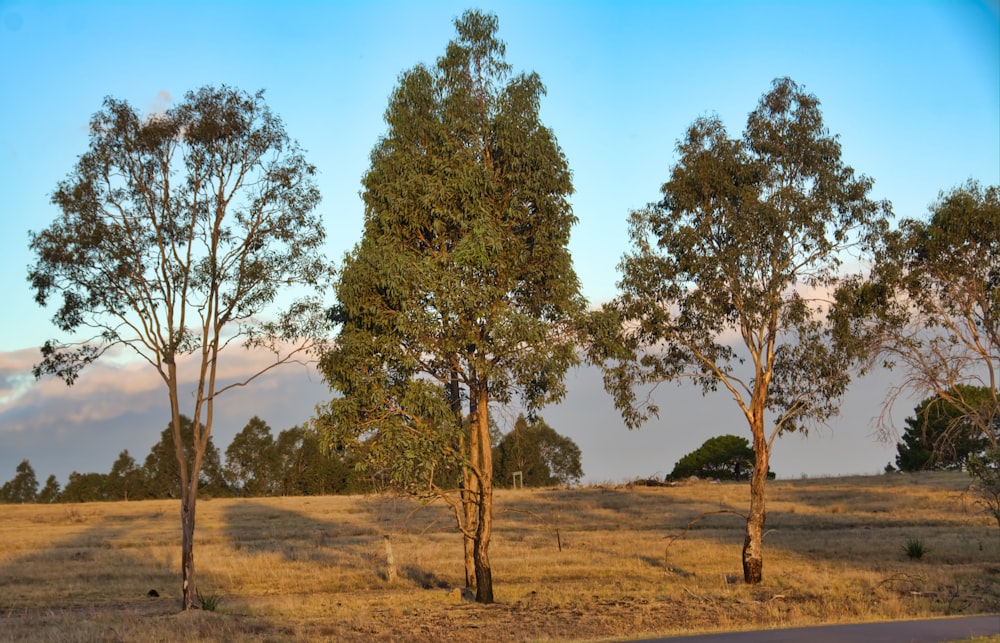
{"x":913,"y":580}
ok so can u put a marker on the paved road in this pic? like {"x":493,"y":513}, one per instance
{"x":923,"y":631}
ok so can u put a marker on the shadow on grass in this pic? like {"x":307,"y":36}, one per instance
{"x":89,"y":568}
{"x":858,"y":523}
{"x":122,"y":555}
{"x":423,"y":578}
{"x":107,"y":571}
{"x":355,"y":545}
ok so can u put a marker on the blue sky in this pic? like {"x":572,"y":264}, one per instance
{"x":912,"y":88}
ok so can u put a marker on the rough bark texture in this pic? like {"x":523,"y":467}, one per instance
{"x":188,"y":478}
{"x":468,"y":483}
{"x":484,"y":526}
{"x":189,"y":591}
{"x":753,"y":544}
{"x":469,"y":509}
{"x":189,"y":489}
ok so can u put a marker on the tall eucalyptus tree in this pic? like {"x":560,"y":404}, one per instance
{"x":461,"y":293}
{"x":176,"y":235}
{"x":729,"y":279}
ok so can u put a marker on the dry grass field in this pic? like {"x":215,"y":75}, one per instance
{"x":580,"y":564}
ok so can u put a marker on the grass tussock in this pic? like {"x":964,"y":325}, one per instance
{"x":573,"y":564}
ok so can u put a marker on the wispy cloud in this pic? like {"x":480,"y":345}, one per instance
{"x":121,"y":403}
{"x":113,"y":386}
{"x":106,"y":389}
{"x":159,"y":105}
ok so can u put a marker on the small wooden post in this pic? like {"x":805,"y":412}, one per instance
{"x":390,"y":561}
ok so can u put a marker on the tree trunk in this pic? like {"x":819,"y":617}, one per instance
{"x":468,"y":504}
{"x":469,"y":509}
{"x":484,"y":525}
{"x":189,"y":591}
{"x":484,"y":573}
{"x":188,"y":480}
{"x":753,"y":544}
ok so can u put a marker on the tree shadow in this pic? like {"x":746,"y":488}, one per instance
{"x":358,"y":543}
{"x":122,"y":555}
{"x":838,"y":522}
{"x":589,"y":509}
{"x":424,"y":579}
{"x":111,"y":567}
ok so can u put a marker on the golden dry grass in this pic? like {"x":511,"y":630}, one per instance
{"x":315,"y":569}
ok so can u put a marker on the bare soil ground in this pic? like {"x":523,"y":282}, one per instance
{"x":599,"y":563}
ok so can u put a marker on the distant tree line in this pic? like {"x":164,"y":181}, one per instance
{"x":257,"y":464}
{"x":295,"y":463}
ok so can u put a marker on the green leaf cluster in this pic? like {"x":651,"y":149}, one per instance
{"x":724,"y":457}
{"x":542,"y":456}
{"x":461,"y":290}
{"x":727,"y":280}
{"x":176,"y":230}
{"x":23,"y":487}
{"x":943,"y":435}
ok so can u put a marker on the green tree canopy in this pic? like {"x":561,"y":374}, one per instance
{"x":543,"y":457}
{"x":306,"y":467}
{"x":939,"y":434}
{"x":85,"y":487}
{"x":251,"y":460}
{"x":162,"y":479}
{"x":461,"y":292}
{"x":50,"y":492}
{"x":23,"y":487}
{"x":727,"y":282}
{"x":932,"y":309}
{"x":724,"y":457}
{"x":126,"y":480}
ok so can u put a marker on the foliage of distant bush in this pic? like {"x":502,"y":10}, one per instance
{"x":724,"y":457}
